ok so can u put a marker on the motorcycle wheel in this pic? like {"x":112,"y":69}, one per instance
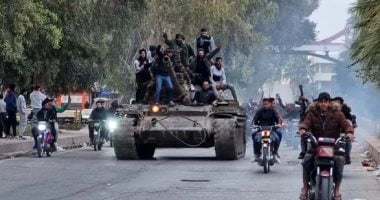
{"x":40,"y":150}
{"x":325,"y":192}
{"x":95,"y":144}
{"x":47,"y":148}
{"x":265,"y":160}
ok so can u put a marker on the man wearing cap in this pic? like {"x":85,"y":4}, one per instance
{"x":99,"y":113}
{"x":47,"y":114}
{"x":265,"y":116}
{"x":346,"y":110}
{"x":324,"y":121}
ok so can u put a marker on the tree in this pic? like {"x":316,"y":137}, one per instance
{"x":366,"y":46}
{"x":26,"y":25}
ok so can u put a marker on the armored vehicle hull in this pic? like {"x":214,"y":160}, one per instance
{"x":143,"y":128}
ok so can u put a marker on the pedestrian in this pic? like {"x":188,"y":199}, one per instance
{"x":3,"y":115}
{"x":87,"y":105}
{"x":21,"y":108}
{"x":36,"y":98}
{"x":11,"y":107}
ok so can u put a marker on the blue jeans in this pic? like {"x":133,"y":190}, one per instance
{"x":168,"y":83}
{"x":276,"y":140}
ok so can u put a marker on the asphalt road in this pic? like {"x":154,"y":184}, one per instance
{"x":175,"y":174}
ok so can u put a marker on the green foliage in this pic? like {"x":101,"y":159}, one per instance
{"x":65,"y":45}
{"x":366,"y":47}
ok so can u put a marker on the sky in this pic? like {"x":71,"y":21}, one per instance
{"x":331,"y":17}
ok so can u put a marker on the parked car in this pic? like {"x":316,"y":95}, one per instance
{"x":85,"y":115}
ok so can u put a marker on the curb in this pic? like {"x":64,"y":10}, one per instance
{"x":373,"y":144}
{"x":65,"y":141}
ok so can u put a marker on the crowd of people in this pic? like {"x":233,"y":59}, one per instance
{"x":42,"y":107}
{"x":323,"y":117}
{"x":160,"y":67}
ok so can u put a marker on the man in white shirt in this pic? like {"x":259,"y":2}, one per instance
{"x":218,"y":77}
{"x":36,"y":98}
{"x":3,"y":114}
{"x":21,"y":108}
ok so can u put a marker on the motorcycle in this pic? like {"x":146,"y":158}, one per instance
{"x":98,"y":139}
{"x":267,"y":158}
{"x":44,"y":140}
{"x":325,"y":149}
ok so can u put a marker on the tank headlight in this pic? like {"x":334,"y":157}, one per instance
{"x":155,"y":108}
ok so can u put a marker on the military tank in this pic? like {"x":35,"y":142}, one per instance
{"x":144,"y":127}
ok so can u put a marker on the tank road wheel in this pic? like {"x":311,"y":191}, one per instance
{"x":229,"y":140}
{"x":127,"y":146}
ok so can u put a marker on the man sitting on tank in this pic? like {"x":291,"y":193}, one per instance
{"x":206,"y":95}
{"x":218,"y":77}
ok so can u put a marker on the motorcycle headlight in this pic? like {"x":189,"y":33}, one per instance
{"x":112,"y":125}
{"x":41,"y":127}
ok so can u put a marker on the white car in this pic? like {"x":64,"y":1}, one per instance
{"x":86,"y":114}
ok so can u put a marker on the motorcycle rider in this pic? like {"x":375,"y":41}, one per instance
{"x":48,"y":114}
{"x":99,"y":113}
{"x":265,"y":116}
{"x":113,"y":108}
{"x":346,"y":110}
{"x":324,"y":121}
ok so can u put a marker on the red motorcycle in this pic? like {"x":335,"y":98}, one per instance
{"x":325,"y":149}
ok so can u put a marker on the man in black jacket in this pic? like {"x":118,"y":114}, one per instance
{"x":49,"y":115}
{"x":99,"y":113}
{"x":201,"y":66}
{"x":205,"y":95}
{"x":11,"y":106}
{"x":346,"y":110}
{"x":265,"y":116}
{"x":205,"y":41}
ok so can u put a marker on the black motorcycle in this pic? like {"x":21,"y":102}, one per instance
{"x":98,"y":140}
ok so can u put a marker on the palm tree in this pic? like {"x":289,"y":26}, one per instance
{"x":366,"y":46}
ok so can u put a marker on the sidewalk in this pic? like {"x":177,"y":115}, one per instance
{"x":66,"y":139}
{"x":368,"y":134}
{"x":373,"y":144}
